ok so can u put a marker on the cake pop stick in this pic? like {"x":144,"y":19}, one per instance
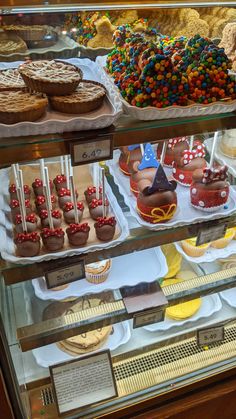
{"x":21,"y":198}
{"x":45,"y":191}
{"x":163,"y":152}
{"x":47,"y":184}
{"x":215,"y":140}
{"x":74,"y":199}
{"x":16,"y":178}
{"x":62,"y":165}
{"x":42,"y":173}
{"x":103,"y":192}
{"x":97,"y":170}
{"x":191,"y":142}
{"x":67,"y":172}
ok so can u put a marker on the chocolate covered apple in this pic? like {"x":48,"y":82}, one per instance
{"x":189,"y":161}
{"x":175,"y":147}
{"x":145,"y":169}
{"x":128,"y":156}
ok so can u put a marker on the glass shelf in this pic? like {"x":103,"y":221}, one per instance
{"x":127,"y":131}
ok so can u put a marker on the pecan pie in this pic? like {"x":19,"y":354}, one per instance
{"x":51,"y":77}
{"x":11,"y":44}
{"x":11,"y":79}
{"x":19,"y":106}
{"x":88,"y":96}
{"x":26,"y":32}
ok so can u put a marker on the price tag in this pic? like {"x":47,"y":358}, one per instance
{"x":83,"y":382}
{"x":209,"y":234}
{"x":90,"y":151}
{"x":148,"y":317}
{"x":211,"y":335}
{"x":65,"y":275}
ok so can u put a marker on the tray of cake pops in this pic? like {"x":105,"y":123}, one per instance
{"x":173,"y":186}
{"x":66,"y":211}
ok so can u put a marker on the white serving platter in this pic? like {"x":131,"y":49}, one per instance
{"x":210,"y":305}
{"x":7,"y":246}
{"x":128,"y":270}
{"x":211,"y":254}
{"x":56,"y":122}
{"x":185,"y":214}
{"x":221,"y":158}
{"x":229,"y":296}
{"x":50,"y":354}
{"x":151,"y":113}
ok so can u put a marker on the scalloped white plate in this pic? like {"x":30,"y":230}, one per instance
{"x":211,"y":254}
{"x":221,"y":158}
{"x":185,"y":213}
{"x":126,"y":270}
{"x":151,"y":113}
{"x":229,"y":296}
{"x":210,"y":305}
{"x":51,"y":354}
{"x":55,"y":122}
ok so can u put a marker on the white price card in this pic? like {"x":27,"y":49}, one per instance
{"x":91,"y":150}
{"x":148,"y":317}
{"x":65,"y":275}
{"x":209,"y":234}
{"x":211,"y":335}
{"x":83,"y":382}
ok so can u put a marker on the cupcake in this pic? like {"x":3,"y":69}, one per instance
{"x":53,"y":239}
{"x":37,"y":186}
{"x":90,"y":193}
{"x":56,"y":218}
{"x":98,"y":272}
{"x":69,"y":212}
{"x":78,"y":234}
{"x":31,"y":223}
{"x":27,"y":244}
{"x":224,"y":241}
{"x":60,"y":182}
{"x":96,"y":208}
{"x":64,"y":196}
{"x":13,"y":193}
{"x":15,"y":207}
{"x":40,"y":202}
{"x":105,"y":228}
{"x":191,"y":249}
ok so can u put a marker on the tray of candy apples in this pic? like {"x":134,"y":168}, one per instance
{"x":171,"y":78}
{"x":180,"y":188}
{"x":66,"y":211}
{"x":208,"y":252}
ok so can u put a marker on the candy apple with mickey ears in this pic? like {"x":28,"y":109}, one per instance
{"x":189,"y":161}
{"x":145,"y":169}
{"x":175,"y":147}
{"x":128,"y":156}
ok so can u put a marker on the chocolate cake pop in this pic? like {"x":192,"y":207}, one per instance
{"x":64,"y":196}
{"x":37,"y":186}
{"x":96,"y":208}
{"x":15,"y":207}
{"x":40,"y":202}
{"x":105,"y":228}
{"x":157,"y":200}
{"x":209,"y":190}
{"x":128,"y":156}
{"x":78,"y":234}
{"x":13,"y":192}
{"x":189,"y":161}
{"x":69,"y":211}
{"x":90,"y":193}
{"x":27,"y":244}
{"x":60,"y":181}
{"x":146,"y":169}
{"x":53,"y":239}
{"x":31,"y":223}
{"x":56,"y":218}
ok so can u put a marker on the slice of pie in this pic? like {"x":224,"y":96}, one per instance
{"x":11,"y":79}
{"x":11,"y":44}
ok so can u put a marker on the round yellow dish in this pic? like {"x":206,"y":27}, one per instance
{"x":190,"y":248}
{"x":173,"y":259}
{"x":224,"y":241}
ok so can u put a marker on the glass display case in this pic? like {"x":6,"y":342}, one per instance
{"x":117,"y":209}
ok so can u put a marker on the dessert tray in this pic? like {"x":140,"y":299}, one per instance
{"x":65,"y":48}
{"x":51,"y":354}
{"x":229,"y":296}
{"x":211,"y":253}
{"x":30,"y":172}
{"x":151,"y":113}
{"x":221,"y":158}
{"x":210,"y":305}
{"x":127,"y":270}
{"x":55,"y":122}
{"x":93,"y":53}
{"x":185,"y":213}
